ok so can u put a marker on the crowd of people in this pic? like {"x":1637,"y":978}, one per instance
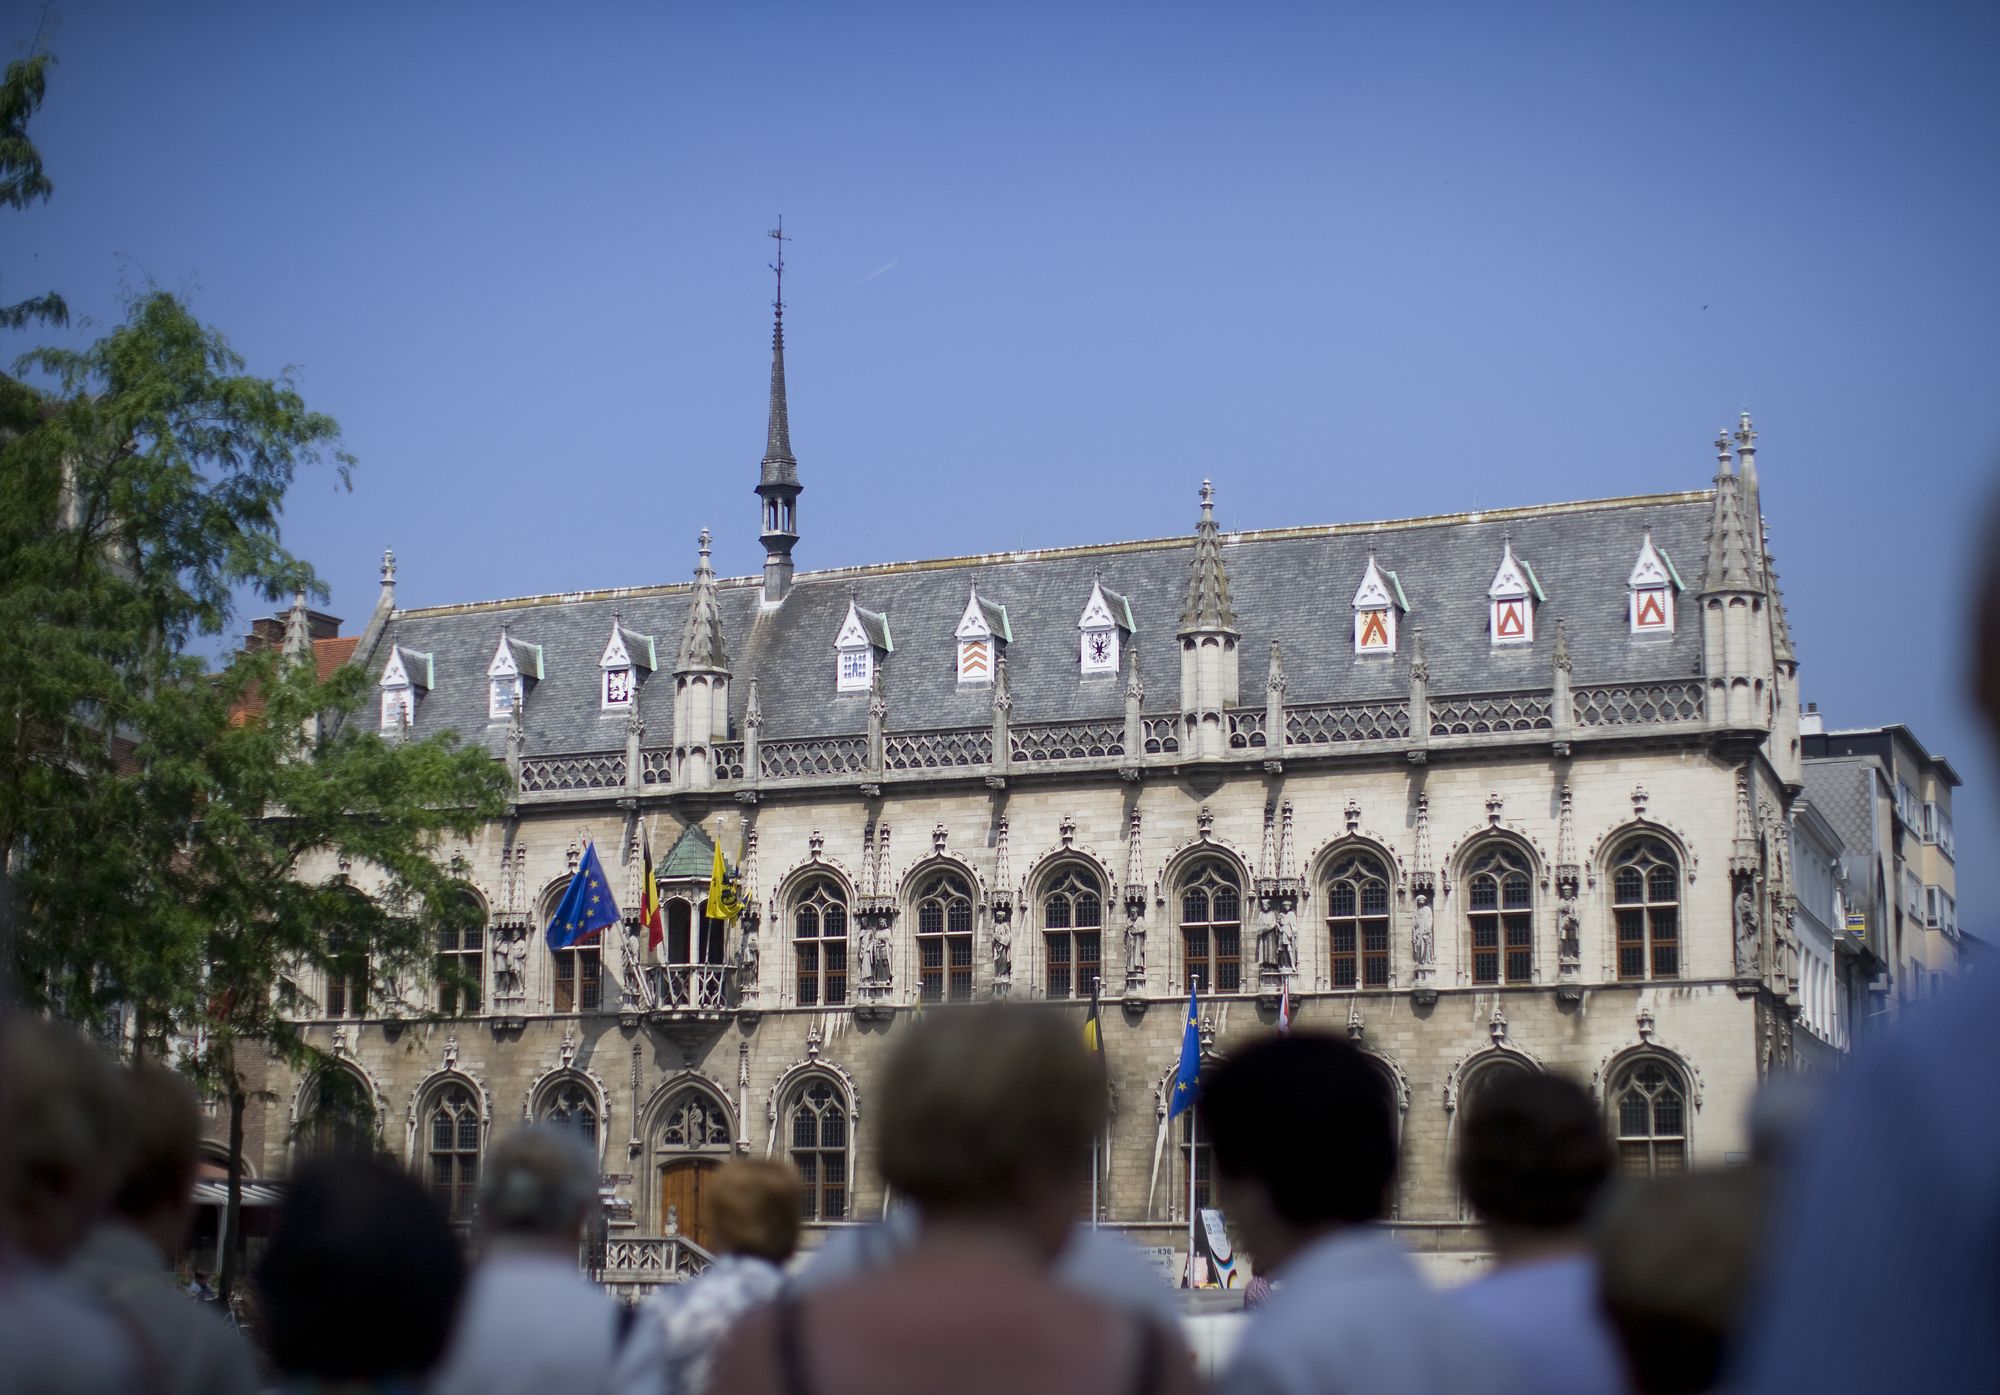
{"x":984,"y":1277}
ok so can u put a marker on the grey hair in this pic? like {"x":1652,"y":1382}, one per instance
{"x":538,"y":1181}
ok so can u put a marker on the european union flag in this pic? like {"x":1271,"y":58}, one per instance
{"x":1187,"y":1079}
{"x":587,"y":907}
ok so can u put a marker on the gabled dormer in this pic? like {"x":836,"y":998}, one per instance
{"x":1377,"y":602}
{"x":982,"y":634}
{"x":1106,"y":621}
{"x":862,"y":643}
{"x":405,"y":679}
{"x":516,"y":664}
{"x":1653,"y":585}
{"x":1513,"y":596}
{"x":628,"y":657}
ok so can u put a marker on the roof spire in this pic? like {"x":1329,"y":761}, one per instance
{"x":1207,"y":606}
{"x":701,"y":635}
{"x":779,"y":466}
{"x":1732,"y":551}
{"x":778,"y":485}
{"x":298,"y":633}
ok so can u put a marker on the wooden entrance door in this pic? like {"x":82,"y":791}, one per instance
{"x":684,"y":1186}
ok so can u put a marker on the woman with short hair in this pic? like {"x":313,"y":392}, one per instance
{"x":988,"y":1117}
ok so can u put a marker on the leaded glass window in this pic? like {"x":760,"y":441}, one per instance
{"x":1649,"y":1107}
{"x":453,"y":1123}
{"x":579,"y":980}
{"x":819,"y":943}
{"x":1357,"y":922}
{"x":572,"y":1105}
{"x":346,"y":975}
{"x":1212,"y":929}
{"x":461,"y":964}
{"x":1072,"y":932}
{"x":819,"y":1149}
{"x":1645,"y":900}
{"x":1502,"y":915}
{"x":944,"y":940}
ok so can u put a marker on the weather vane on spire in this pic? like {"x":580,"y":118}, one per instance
{"x":777,"y":235}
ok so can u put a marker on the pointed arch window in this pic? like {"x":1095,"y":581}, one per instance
{"x":1649,"y":1113}
{"x":452,"y":1127}
{"x":944,"y":940}
{"x":338,"y":1113}
{"x":1357,"y":921}
{"x":819,"y":943}
{"x":1212,"y":928}
{"x":1500,"y":901}
{"x":1072,"y":932}
{"x":818,"y":1129}
{"x":579,"y":978}
{"x":572,"y":1106}
{"x":1645,"y":901}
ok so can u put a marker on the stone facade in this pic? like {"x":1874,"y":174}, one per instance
{"x":1567,"y":789}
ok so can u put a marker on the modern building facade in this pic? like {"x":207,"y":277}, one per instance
{"x":1495,"y":791}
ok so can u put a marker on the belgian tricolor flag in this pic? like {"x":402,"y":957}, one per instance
{"x":650,"y":914}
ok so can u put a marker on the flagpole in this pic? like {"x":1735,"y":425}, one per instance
{"x":1096,"y":985}
{"x":1194,"y":1138}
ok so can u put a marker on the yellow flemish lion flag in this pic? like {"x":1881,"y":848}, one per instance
{"x":725,"y":901}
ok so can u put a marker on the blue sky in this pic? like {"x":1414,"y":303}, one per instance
{"x":1054,"y":264}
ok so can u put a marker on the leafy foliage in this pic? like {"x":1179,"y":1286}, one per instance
{"x":22,"y":179}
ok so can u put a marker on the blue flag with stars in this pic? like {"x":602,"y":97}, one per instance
{"x":1187,"y":1079}
{"x":587,"y":907}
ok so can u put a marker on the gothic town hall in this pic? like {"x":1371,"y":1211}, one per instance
{"x":1490,"y":792}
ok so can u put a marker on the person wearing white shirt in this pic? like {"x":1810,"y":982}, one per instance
{"x":531,"y":1323}
{"x":1305,"y":1150}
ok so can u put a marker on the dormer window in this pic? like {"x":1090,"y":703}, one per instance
{"x":406,"y":675}
{"x":863,"y":637}
{"x":514,"y":666}
{"x":981,"y":630}
{"x":627,"y":656}
{"x":1653,"y":585}
{"x":1106,"y":620}
{"x":1377,"y":603}
{"x":1513,"y":596}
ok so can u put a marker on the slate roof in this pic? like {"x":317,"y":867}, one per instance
{"x":1843,"y":790}
{"x":1292,"y":584}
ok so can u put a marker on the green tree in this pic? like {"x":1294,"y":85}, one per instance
{"x":182,"y":846}
{"x":22,"y":179}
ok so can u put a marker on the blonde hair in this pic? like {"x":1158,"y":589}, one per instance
{"x":984,"y":1107}
{"x":753,"y":1209}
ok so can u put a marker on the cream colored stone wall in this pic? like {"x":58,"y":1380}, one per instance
{"x":749,"y":1061}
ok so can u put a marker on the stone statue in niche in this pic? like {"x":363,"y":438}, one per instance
{"x":1135,"y":944}
{"x":510,"y":964}
{"x":1003,"y":951}
{"x":1569,"y":931}
{"x":878,"y":958}
{"x":1267,"y":931}
{"x":1288,"y":937}
{"x":1423,"y":933}
{"x":1746,"y":932}
{"x":748,"y":955}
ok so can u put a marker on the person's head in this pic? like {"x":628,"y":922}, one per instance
{"x":1533,"y":1155}
{"x":539,"y":1185}
{"x":1303,"y":1140}
{"x":362,"y":1277}
{"x":988,"y":1113}
{"x":62,"y":1108}
{"x":753,"y":1209}
{"x":163,"y":1115}
{"x":1675,"y":1261}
